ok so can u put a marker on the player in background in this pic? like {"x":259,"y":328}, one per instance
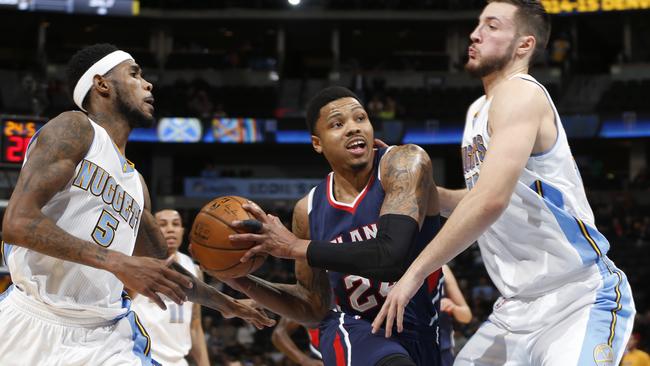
{"x":563,"y":302}
{"x":177,"y":331}
{"x":452,"y":307}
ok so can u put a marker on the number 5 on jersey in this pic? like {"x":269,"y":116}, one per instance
{"x":104,"y":231}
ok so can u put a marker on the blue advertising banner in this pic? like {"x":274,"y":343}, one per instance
{"x":249,"y":188}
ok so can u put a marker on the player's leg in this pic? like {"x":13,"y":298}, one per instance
{"x":396,"y":360}
{"x":347,"y":341}
{"x":491,"y":346}
{"x":594,"y":334}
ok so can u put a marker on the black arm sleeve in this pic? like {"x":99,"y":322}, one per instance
{"x":384,"y":258}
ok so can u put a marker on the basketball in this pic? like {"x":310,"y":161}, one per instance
{"x":211,"y":245}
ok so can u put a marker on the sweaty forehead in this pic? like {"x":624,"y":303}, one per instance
{"x":340,"y":106}
{"x":503,"y":12}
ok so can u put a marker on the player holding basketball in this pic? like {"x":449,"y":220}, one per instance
{"x":176,"y":331}
{"x":563,"y":301}
{"x":78,"y":212}
{"x":367,"y":220}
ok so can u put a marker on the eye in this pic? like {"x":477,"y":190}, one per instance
{"x":361,"y":118}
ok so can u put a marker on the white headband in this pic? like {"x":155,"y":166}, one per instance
{"x":101,"y":67}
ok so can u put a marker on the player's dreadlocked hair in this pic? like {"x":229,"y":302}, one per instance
{"x":321,"y":99}
{"x":83,"y":60}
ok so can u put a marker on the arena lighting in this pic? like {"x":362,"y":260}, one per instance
{"x":294,"y":2}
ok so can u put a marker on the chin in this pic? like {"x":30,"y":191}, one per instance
{"x":359,"y":165}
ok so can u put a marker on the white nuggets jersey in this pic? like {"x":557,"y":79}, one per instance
{"x":102,"y":204}
{"x":169,"y":329}
{"x":546,"y":237}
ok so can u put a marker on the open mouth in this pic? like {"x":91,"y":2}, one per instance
{"x":356,"y":146}
{"x":149,"y":101}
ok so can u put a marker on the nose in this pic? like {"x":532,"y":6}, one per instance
{"x":353,"y":129}
{"x":147,"y":85}
{"x":475,"y":36}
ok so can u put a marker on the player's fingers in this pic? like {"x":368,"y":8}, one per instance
{"x":172,"y":290}
{"x":379,"y":319}
{"x":246,"y":237}
{"x":275,"y":219}
{"x":379,"y":143}
{"x":390,"y":316}
{"x":251,"y":253}
{"x":255,"y":210}
{"x":155,"y":298}
{"x":400,"y":317}
{"x":178,"y":278}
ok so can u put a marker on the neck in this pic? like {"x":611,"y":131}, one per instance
{"x":493,"y":80}
{"x":115,"y":125}
{"x":352,"y":182}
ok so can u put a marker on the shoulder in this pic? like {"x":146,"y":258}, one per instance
{"x":404,"y":156}
{"x":518,"y":92}
{"x":68,"y":124}
{"x":66,"y":136}
{"x":301,"y":207}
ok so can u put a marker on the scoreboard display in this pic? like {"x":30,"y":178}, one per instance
{"x":16,"y":134}
{"x":96,"y":7}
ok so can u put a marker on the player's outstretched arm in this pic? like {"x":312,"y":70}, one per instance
{"x":184,"y":285}
{"x":199,"y":350}
{"x":307,"y":301}
{"x":407,"y":179}
{"x":515,"y":116}
{"x":281,"y":339}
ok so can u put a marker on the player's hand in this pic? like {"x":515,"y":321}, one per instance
{"x":250,"y":311}
{"x":271,"y":238}
{"x":380,"y":144}
{"x":447,"y":305}
{"x":393,"y":309}
{"x":152,"y":278}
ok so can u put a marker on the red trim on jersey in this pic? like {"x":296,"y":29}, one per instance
{"x":314,"y":336}
{"x":432,"y":280}
{"x":338,"y":351}
{"x":351,"y":208}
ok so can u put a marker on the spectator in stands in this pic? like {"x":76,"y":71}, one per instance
{"x":634,"y":356}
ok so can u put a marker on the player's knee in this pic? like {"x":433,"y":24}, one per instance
{"x":397,"y":359}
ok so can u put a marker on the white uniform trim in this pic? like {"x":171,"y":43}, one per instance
{"x":346,"y":337}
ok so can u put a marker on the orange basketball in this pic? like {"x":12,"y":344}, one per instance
{"x":210,"y":243}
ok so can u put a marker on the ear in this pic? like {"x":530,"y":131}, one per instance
{"x":315,"y":143}
{"x":526,"y":45}
{"x":101,"y":85}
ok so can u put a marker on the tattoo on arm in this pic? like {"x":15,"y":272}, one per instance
{"x":407,"y":178}
{"x":50,"y":166}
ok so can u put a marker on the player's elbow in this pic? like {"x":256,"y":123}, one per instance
{"x":493,"y":207}
{"x":13,"y":226}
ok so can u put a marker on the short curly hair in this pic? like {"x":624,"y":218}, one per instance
{"x":321,"y":99}
{"x":81,"y":61}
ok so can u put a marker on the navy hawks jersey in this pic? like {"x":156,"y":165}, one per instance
{"x":343,"y":223}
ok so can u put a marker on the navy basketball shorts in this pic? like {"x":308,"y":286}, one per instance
{"x":346,"y":340}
